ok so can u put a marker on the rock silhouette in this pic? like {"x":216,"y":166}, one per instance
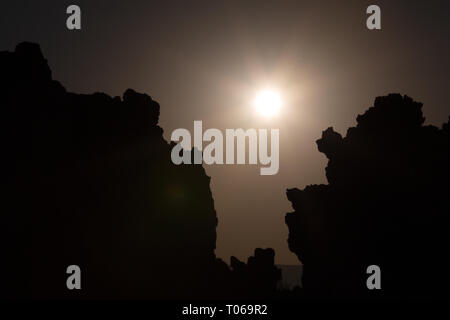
{"x":88,"y":180}
{"x":386,"y":203}
{"x":248,"y":276}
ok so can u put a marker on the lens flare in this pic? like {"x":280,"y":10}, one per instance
{"x":268,"y":103}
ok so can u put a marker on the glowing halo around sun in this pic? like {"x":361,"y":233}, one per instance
{"x":267,"y":103}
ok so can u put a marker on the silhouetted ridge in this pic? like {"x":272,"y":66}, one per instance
{"x":248,"y":277}
{"x":386,"y":204}
{"x":89,"y":181}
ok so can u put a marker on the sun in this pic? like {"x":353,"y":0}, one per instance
{"x":267,"y":103}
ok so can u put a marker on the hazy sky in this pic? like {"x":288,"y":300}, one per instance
{"x":206,"y":60}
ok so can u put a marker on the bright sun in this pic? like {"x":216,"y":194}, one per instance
{"x":268,"y":103}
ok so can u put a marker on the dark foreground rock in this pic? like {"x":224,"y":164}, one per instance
{"x":386,"y":204}
{"x":88,"y":181}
